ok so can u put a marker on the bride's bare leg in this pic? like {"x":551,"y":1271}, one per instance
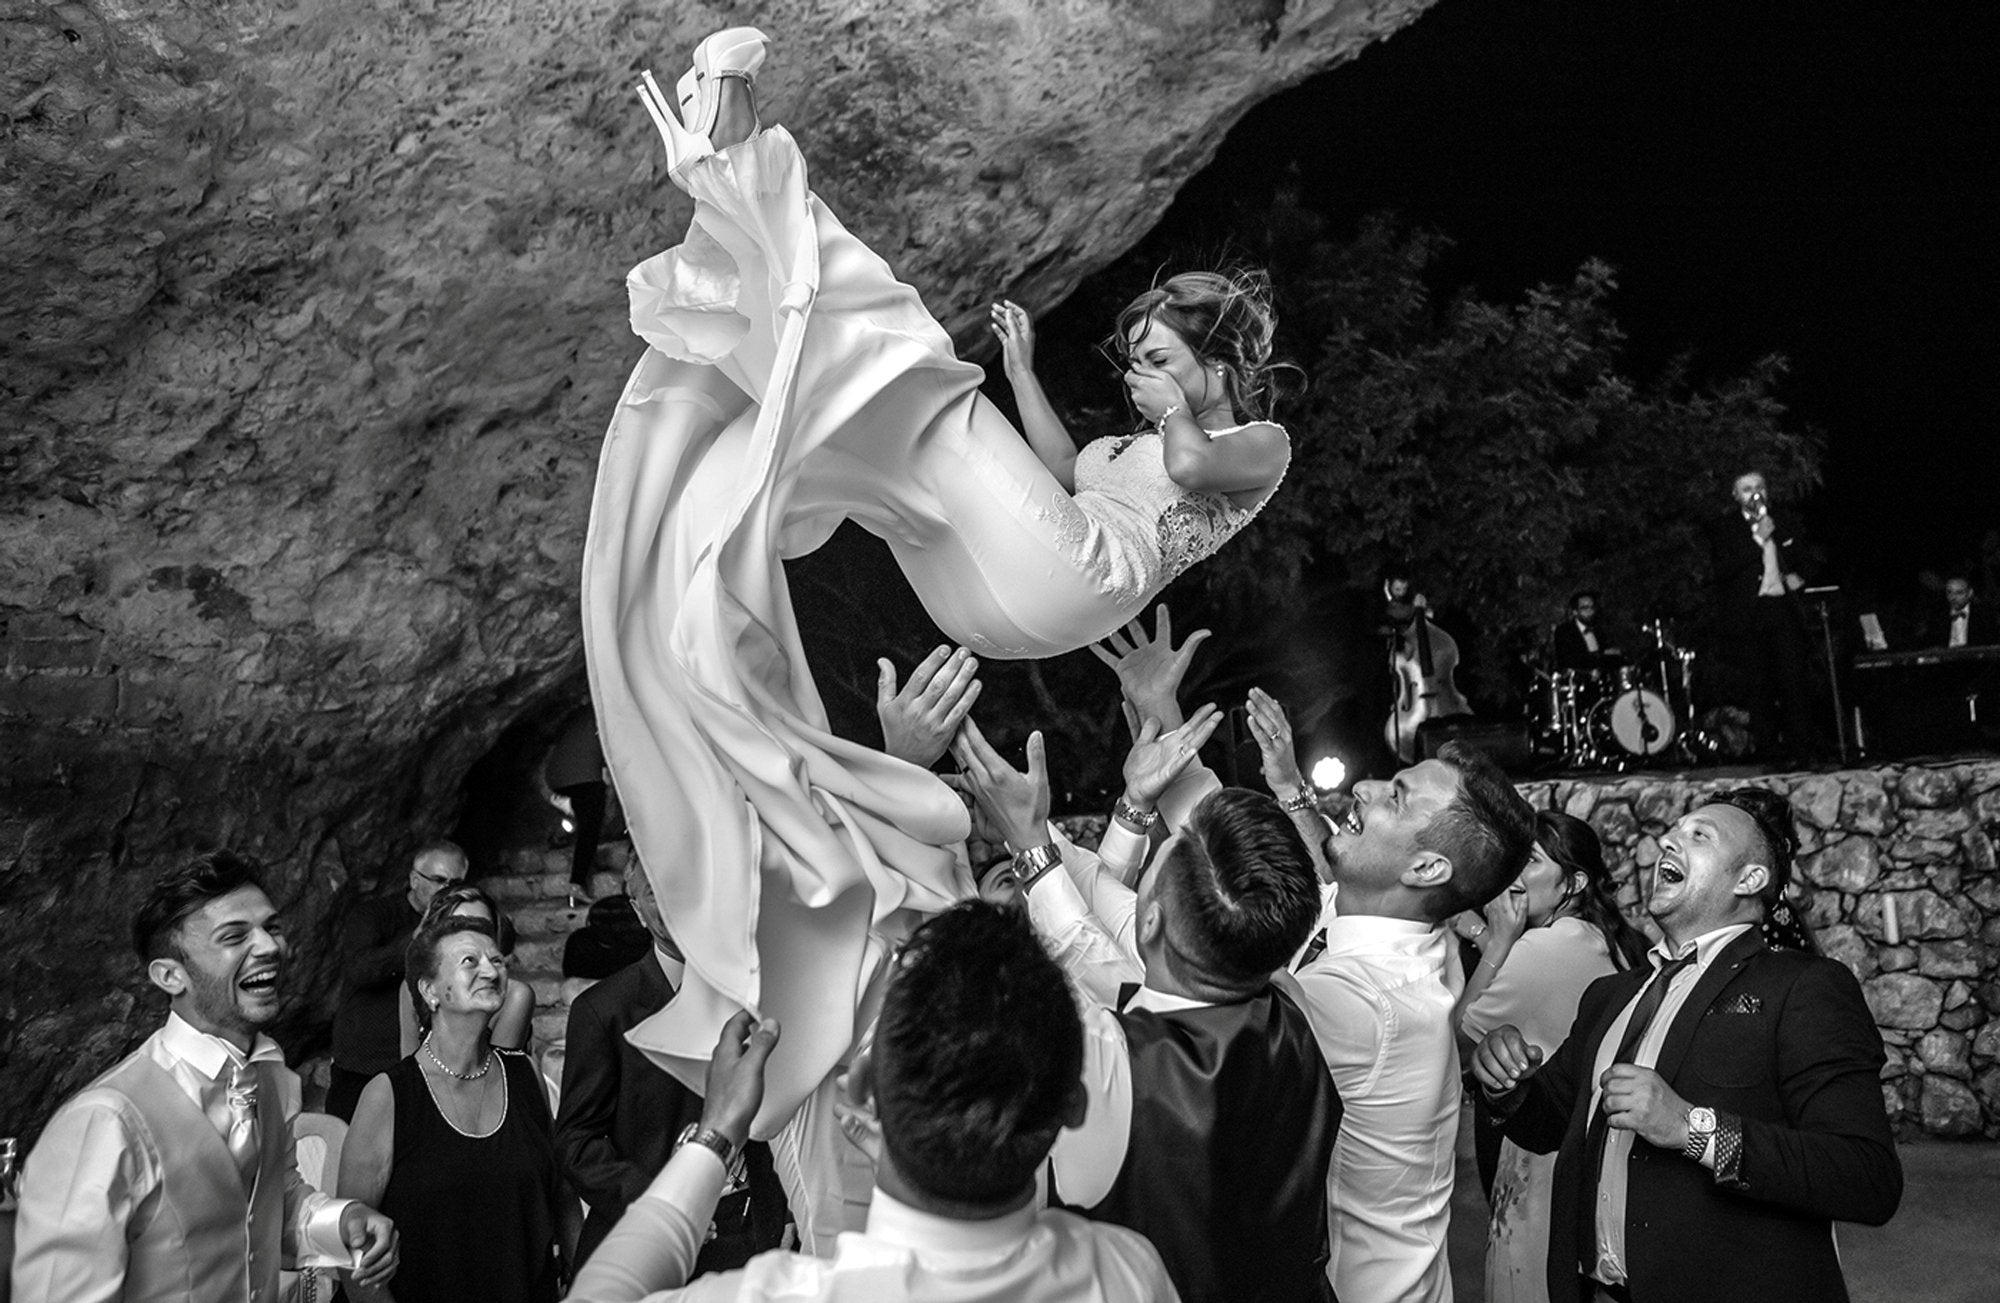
{"x":736,"y":113}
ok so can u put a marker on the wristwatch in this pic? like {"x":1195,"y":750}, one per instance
{"x":694,"y":1133}
{"x":1701,"y":1126}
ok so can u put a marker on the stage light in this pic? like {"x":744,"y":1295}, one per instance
{"x":1328,"y":773}
{"x":567,"y":826}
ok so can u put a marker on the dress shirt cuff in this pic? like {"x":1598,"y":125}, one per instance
{"x":1121,"y":851}
{"x":320,"y":1243}
{"x":1724,"y":1154}
{"x":691,"y":1181}
{"x":1055,"y":906}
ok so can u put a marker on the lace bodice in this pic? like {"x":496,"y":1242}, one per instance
{"x":1129,"y":519}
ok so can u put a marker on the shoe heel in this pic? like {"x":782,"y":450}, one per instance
{"x":683,"y":146}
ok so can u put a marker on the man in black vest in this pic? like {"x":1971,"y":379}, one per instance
{"x":1211,"y":1118}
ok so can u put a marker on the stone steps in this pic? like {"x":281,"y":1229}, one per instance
{"x":532,"y":885}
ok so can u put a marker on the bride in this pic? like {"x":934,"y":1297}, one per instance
{"x":792,"y":382}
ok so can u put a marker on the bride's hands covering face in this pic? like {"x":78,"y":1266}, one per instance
{"x":1153,"y":391}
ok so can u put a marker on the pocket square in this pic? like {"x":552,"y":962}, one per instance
{"x":1744,"y":1003}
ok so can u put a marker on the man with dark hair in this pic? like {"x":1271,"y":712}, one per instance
{"x":1445,"y":835}
{"x":1576,"y":642}
{"x":174,"y":1170}
{"x":972,"y":1072}
{"x":366,"y":1028}
{"x":1717,"y":1110}
{"x":620,"y":1113}
{"x":1210,"y":1119}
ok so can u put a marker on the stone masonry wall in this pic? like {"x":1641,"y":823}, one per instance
{"x":1920,"y":836}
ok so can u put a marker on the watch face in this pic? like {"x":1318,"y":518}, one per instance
{"x":1701,"y":1119}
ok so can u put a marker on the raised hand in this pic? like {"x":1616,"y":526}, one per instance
{"x":734,"y":1088}
{"x":1150,"y":668}
{"x":918,"y":719}
{"x":1017,"y":802}
{"x":1504,"y":1060}
{"x":1016,"y":332}
{"x":1275,"y":748}
{"x":1153,"y":391}
{"x":1159,"y":756}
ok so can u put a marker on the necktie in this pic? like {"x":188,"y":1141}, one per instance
{"x":1643,"y":1011}
{"x":1314,"y":949}
{"x":243,"y":1139}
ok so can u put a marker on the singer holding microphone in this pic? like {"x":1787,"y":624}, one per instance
{"x":1759,"y":622}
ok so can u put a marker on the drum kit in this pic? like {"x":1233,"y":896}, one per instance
{"x":1622,"y":713}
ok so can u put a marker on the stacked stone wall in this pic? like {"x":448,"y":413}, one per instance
{"x":1916,"y":839}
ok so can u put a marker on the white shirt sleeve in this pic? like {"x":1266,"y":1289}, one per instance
{"x":1088,"y":920}
{"x":1088,"y":1158}
{"x":653,"y":1246}
{"x":86,"y":1175}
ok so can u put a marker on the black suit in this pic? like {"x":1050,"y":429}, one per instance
{"x":620,"y":1115}
{"x":1572,"y":652}
{"x":1783,"y":1041}
{"x":1762,"y":640}
{"x":1982,"y":628}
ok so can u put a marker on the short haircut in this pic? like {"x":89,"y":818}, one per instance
{"x":1582,"y":593}
{"x":441,"y":846}
{"x":978,"y":1054}
{"x":420,"y":958}
{"x":1487,"y":833}
{"x":179,"y":892}
{"x":450,"y":898}
{"x":1772,"y":814}
{"x":1240,"y":887}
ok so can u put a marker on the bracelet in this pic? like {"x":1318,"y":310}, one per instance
{"x":1302,"y":803}
{"x":1143,"y":820}
{"x":708,"y":1138}
{"x":1031,"y":864}
{"x":1161,"y":424}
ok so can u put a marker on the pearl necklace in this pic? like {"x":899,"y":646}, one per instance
{"x":484,"y":1068}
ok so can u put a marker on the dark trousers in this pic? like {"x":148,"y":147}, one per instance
{"x":586,"y":804}
{"x":1768,"y":648}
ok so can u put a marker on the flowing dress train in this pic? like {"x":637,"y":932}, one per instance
{"x":791,"y":382}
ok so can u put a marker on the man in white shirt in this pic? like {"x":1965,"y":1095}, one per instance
{"x":172,"y":1176}
{"x":1717,"y":1110}
{"x":972,"y":1071}
{"x":1210,"y":1122}
{"x":1445,"y":835}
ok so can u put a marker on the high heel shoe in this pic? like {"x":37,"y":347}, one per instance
{"x":732,"y":52}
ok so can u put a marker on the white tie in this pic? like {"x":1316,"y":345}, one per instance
{"x":244,"y":1141}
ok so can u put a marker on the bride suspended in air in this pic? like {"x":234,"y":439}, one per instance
{"x":792,"y":382}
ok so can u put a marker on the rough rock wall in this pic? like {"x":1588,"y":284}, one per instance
{"x":310,"y":321}
{"x":1916,"y":839}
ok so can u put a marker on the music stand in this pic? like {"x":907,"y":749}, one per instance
{"x":1822,"y":598}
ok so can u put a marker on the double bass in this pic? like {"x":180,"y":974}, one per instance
{"x":1423,"y":657}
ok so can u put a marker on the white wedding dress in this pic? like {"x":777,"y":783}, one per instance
{"x":791,"y":383}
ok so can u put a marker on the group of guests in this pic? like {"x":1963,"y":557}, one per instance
{"x":1219,"y":1057}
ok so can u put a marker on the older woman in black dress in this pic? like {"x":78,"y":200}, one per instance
{"x":457,"y":1139}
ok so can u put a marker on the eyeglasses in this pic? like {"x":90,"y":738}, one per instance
{"x":435,"y":880}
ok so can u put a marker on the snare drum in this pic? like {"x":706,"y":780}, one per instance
{"x":1638,"y":721}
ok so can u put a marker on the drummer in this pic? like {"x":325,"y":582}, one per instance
{"x":1577,"y":644}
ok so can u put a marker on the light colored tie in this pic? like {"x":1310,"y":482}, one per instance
{"x":245,"y":1142}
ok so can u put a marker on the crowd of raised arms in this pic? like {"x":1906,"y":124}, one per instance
{"x":834,"y":1047}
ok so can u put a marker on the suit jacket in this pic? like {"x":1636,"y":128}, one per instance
{"x":619,"y":1114}
{"x":1736,"y":559}
{"x":1982,"y":629}
{"x":1571,"y":652}
{"x":194,"y":1233}
{"x":1784,"y":1041}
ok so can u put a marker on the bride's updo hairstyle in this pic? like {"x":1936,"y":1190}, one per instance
{"x":1225,"y":317}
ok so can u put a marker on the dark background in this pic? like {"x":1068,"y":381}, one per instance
{"x":1807,"y":180}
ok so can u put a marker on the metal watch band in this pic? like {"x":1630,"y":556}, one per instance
{"x":1300,"y":803}
{"x":1143,"y":820}
{"x":708,"y":1138}
{"x":1031,"y":864}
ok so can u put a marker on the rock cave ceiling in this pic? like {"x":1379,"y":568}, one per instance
{"x":310,"y":322}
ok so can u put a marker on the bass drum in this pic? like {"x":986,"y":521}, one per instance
{"x":1637,"y":721}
